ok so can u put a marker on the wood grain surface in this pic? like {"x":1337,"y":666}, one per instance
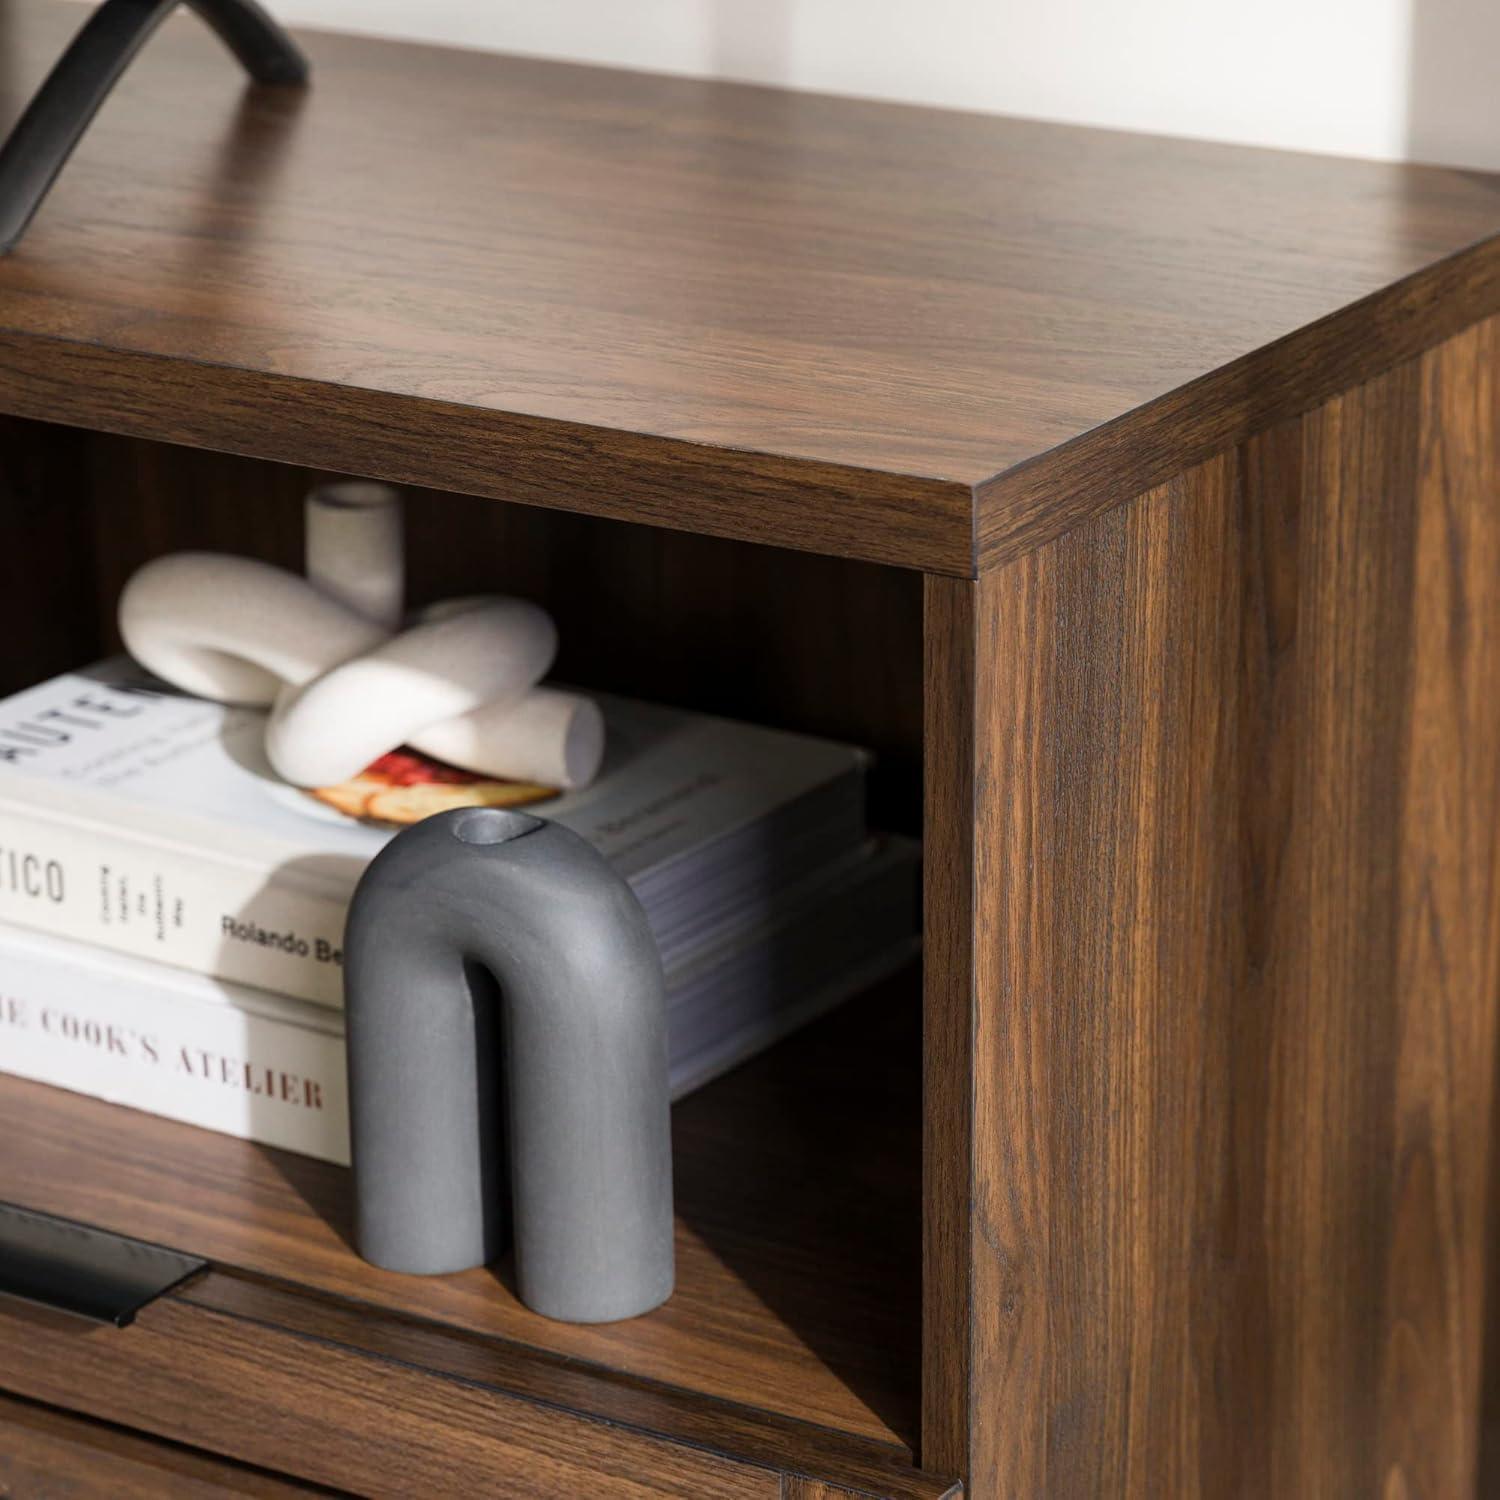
{"x":797,"y":1192}
{"x":794,"y":1487}
{"x":304,"y":1384}
{"x":950,"y":869}
{"x":47,"y":1454}
{"x":830,"y":324}
{"x":749,"y":1435}
{"x":1235,"y":754}
{"x":333,"y":1417}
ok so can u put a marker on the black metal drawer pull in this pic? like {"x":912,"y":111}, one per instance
{"x":75,"y":1269}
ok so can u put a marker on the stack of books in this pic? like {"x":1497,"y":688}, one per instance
{"x":171,"y":914}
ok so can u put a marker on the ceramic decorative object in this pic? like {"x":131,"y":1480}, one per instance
{"x":565,"y":1083}
{"x":354,"y":548}
{"x":344,"y":686}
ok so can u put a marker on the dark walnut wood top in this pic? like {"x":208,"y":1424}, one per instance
{"x":909,"y":335}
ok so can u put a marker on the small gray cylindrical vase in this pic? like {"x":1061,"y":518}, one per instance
{"x":506,"y":1010}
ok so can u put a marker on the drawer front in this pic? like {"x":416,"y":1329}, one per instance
{"x":50,"y":1455}
{"x":337,"y":1417}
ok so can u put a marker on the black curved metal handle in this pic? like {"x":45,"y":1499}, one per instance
{"x":55,"y":120}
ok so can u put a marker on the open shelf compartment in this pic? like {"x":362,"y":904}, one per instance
{"x":797,"y":1317}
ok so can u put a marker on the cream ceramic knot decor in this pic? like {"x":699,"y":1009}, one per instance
{"x":344,"y":684}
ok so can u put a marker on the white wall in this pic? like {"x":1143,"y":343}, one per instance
{"x":1384,"y":78}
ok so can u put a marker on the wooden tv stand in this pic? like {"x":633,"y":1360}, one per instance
{"x":1137,"y":500}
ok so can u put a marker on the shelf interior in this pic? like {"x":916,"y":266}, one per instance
{"x":798,"y":1223}
{"x":798,"y":1175}
{"x":819,"y":645}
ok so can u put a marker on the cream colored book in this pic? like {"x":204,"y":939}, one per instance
{"x":147,"y":822}
{"x":244,"y":1062}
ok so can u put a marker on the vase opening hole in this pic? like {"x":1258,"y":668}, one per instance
{"x":492,"y":825}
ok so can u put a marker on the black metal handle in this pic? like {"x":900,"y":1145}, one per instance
{"x":55,"y":120}
{"x":77,"y":1269}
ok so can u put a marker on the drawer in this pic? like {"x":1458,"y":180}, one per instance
{"x":345,"y":1397}
{"x":271,"y":1398}
{"x":47,"y":1454}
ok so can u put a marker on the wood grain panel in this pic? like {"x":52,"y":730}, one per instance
{"x":333,"y":1417}
{"x":750,"y":1435}
{"x":795,"y":1488}
{"x":48,"y":1455}
{"x":280,"y":1378}
{"x":1032,"y":503}
{"x":1236,"y":758}
{"x":1438,"y":1289}
{"x":914,"y":522}
{"x":821,"y":323}
{"x":949,"y":880}
{"x":810,"y":1489}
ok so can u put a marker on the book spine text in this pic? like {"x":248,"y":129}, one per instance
{"x":267,"y":928}
{"x":203,"y":1063}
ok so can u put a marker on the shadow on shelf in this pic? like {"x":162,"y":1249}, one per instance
{"x":798,"y":1200}
{"x":801,"y":1172}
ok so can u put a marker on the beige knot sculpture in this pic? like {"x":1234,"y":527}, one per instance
{"x":343,"y":683}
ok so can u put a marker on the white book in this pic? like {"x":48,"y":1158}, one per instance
{"x":150,"y":823}
{"x":226,"y":1057}
{"x":270,"y":1069}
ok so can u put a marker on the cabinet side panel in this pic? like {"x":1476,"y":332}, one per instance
{"x":1237,"y":781}
{"x":948,"y":860}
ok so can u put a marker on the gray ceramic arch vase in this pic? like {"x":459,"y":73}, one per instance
{"x":506,"y":1009}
